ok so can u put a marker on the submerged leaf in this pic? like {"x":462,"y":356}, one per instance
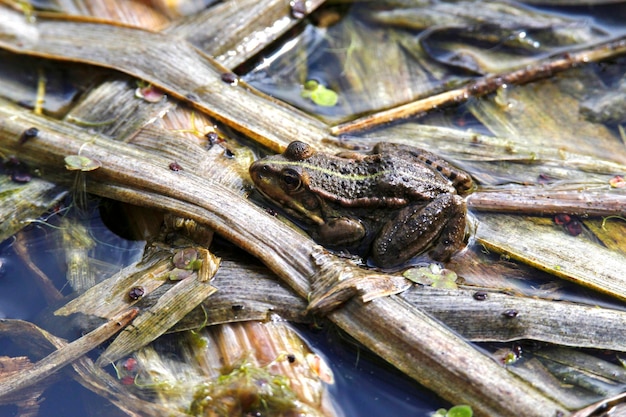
{"x":319,"y":94}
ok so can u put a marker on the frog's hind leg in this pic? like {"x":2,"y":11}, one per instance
{"x":418,"y":227}
{"x":452,"y":237}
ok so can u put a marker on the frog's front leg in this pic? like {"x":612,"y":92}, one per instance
{"x":441,"y":222}
{"x":339,"y":231}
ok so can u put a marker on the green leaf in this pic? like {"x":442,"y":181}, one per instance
{"x":460,"y":411}
{"x":432,"y":275}
{"x":81,"y":163}
{"x":324,"y":97}
{"x":319,"y":94}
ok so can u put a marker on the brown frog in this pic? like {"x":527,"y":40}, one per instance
{"x":392,"y":203}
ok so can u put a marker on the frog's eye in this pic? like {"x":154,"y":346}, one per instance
{"x":290,"y":179}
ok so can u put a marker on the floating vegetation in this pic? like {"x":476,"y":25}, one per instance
{"x":432,"y":275}
{"x":247,"y":390}
{"x":81,"y":163}
{"x":456,"y":411}
{"x":319,"y":94}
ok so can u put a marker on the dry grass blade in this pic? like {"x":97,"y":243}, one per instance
{"x":36,"y":340}
{"x":155,"y":321}
{"x":233,"y":32}
{"x":609,"y":407}
{"x":520,"y":152}
{"x":245,"y":292}
{"x":559,"y":323}
{"x":602,"y":202}
{"x":66,"y":355}
{"x":49,"y":291}
{"x":405,"y":328}
{"x":21,"y":203}
{"x":110,"y":297}
{"x":574,"y":377}
{"x":170,"y":307}
{"x":428,"y":354}
{"x":175,"y":67}
{"x":560,"y":254}
{"x":486,"y":85}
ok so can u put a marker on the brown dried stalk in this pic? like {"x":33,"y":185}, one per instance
{"x":486,"y":85}
{"x":66,"y":355}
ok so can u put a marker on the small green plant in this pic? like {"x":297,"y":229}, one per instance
{"x":456,"y":411}
{"x":319,"y":94}
{"x":432,"y":275}
{"x":81,"y":163}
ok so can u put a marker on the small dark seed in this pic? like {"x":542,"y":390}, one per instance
{"x":298,"y":9}
{"x":544,"y":178}
{"x":175,"y":166}
{"x":136,"y":293}
{"x":29,"y":133}
{"x":192,"y":97}
{"x":21,"y":177}
{"x":213,"y":138}
{"x":480,"y":295}
{"x":229,"y":77}
{"x":510,"y":314}
{"x":291,"y":358}
{"x":574,"y":228}
{"x":228,"y":153}
{"x":562,"y":218}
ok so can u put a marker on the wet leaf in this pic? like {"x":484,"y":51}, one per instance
{"x":149,"y":94}
{"x":319,"y":94}
{"x":81,"y":163}
{"x":185,"y":258}
{"x":460,"y":411}
{"x":432,"y":275}
{"x":549,"y":249}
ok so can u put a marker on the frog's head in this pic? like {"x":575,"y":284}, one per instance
{"x":284,"y":180}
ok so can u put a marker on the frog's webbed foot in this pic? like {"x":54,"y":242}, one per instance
{"x":417,"y":227}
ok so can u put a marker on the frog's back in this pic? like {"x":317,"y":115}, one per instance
{"x":378,"y":180}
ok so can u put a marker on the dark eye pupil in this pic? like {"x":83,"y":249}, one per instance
{"x":291,"y":179}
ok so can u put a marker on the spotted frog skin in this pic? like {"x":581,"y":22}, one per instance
{"x":392,"y":204}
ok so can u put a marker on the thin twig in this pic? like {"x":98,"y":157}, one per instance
{"x":486,"y":85}
{"x":533,"y":201}
{"x":66,"y":355}
{"x":49,"y":291}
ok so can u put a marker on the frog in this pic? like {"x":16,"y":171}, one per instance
{"x":389,"y":205}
